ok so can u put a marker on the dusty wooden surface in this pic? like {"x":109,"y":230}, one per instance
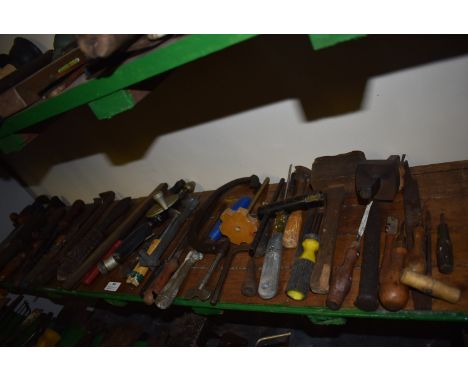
{"x":443,"y":187}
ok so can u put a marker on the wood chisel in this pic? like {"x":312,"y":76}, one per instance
{"x":342,"y":275}
{"x":298,"y":284}
{"x":269,"y":279}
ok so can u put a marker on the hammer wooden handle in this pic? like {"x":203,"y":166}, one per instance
{"x":430,"y":286}
{"x":292,"y":230}
{"x":393,"y":295}
{"x":342,"y":277}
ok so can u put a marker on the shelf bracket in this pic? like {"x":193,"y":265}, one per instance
{"x":324,"y":320}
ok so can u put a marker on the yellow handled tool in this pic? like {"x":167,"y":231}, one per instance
{"x":298,"y":284}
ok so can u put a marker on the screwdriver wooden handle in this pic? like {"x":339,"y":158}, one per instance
{"x":158,"y":284}
{"x":393,"y":295}
{"x":416,"y":259}
{"x":292,"y":230}
{"x":342,"y":277}
{"x":430,"y":286}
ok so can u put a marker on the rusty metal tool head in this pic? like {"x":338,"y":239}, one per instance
{"x":378,"y":179}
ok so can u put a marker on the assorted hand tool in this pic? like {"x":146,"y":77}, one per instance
{"x":240,"y":225}
{"x":169,"y":292}
{"x":342,"y":275}
{"x":430,"y":286}
{"x":269,"y":278}
{"x":334,"y":176}
{"x":444,"y":247}
{"x":258,"y":247}
{"x":80,"y":242}
{"x":305,"y":259}
{"x":393,"y":295}
{"x":299,"y":185}
{"x":414,"y":226}
{"x":367,"y":298}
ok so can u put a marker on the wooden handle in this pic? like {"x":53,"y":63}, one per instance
{"x":292,"y":230}
{"x":342,"y":277}
{"x":158,"y":284}
{"x":393,"y":295}
{"x":249,"y":285}
{"x":367,"y":298}
{"x":416,"y":259}
{"x":430,"y":286}
{"x":320,"y":278}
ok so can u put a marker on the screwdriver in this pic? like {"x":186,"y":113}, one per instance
{"x":269,"y":278}
{"x":342,"y":276}
{"x":444,"y":247}
{"x":298,"y":284}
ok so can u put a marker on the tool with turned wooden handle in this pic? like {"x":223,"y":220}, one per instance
{"x":429,"y":285}
{"x":367,"y":298}
{"x":342,"y":275}
{"x":393,"y":295}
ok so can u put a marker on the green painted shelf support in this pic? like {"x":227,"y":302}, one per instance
{"x":320,"y":41}
{"x":324,"y":320}
{"x":204,"y":311}
{"x":112,"y":104}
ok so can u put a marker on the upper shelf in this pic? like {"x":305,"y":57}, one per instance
{"x":109,"y":91}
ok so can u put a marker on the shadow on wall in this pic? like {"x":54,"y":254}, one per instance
{"x":260,"y":71}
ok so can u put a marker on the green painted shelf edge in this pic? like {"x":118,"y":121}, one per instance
{"x":177,"y":53}
{"x":310,"y":311}
{"x":108,"y":97}
{"x":320,"y":41}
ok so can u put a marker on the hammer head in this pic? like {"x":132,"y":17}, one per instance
{"x":378,"y":179}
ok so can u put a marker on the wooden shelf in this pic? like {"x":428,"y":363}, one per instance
{"x":109,"y":95}
{"x":443,"y":187}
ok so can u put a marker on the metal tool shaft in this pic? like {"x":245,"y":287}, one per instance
{"x":169,"y":292}
{"x":200,"y":291}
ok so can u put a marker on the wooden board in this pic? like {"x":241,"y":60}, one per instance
{"x":443,"y":187}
